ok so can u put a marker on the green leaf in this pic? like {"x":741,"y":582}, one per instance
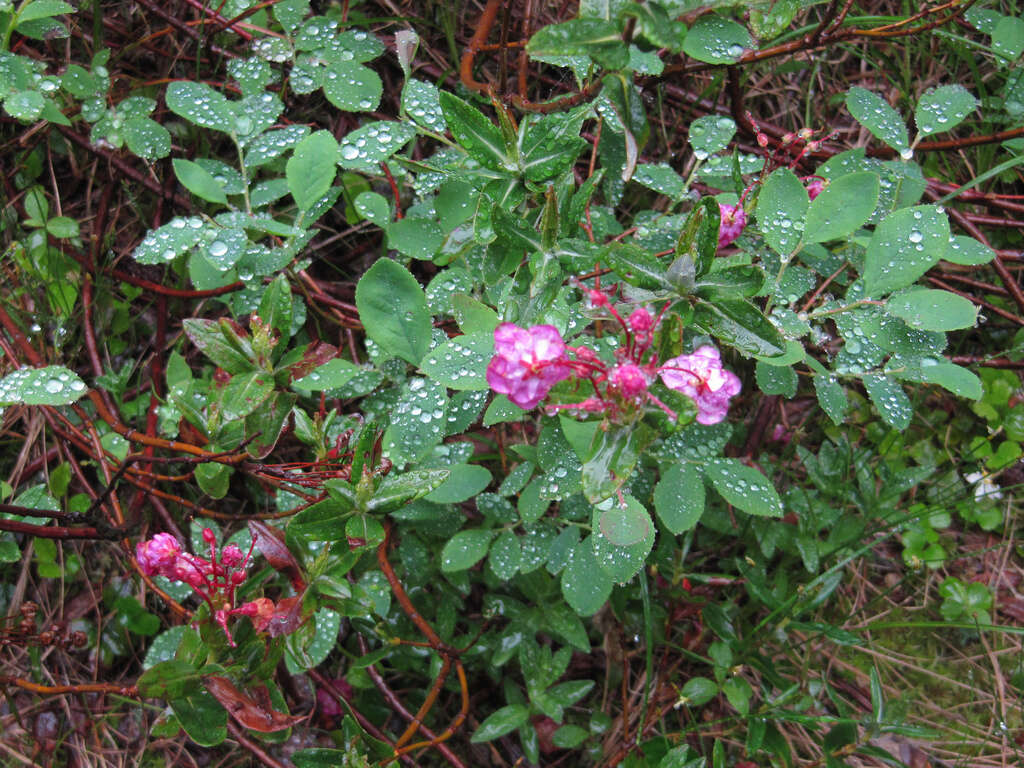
{"x":199,"y":181}
{"x":506,"y":555}
{"x":499,"y":723}
{"x":422,"y":103}
{"x":475,"y":133}
{"x":43,"y":9}
{"x":600,"y":40}
{"x":203,"y":718}
{"x":464,"y":482}
{"x":716,"y":40}
{"x":741,"y":324}
{"x":174,"y":238}
{"x":776,"y":379}
{"x":662,"y":179}
{"x":393,"y":309}
{"x":634,"y":265}
{"x":331,"y":375}
{"x":585,"y":586}
{"x":1008,"y":37}
{"x":843,"y":206}
{"x":311,"y":168}
{"x":352,"y":87}
{"x":620,"y":563}
{"x":418,"y":238}
{"x":170,"y":679}
{"x":200,"y":104}
{"x":943,"y":108}
{"x":370,"y":145}
{"x":968,"y":251}
{"x":907,"y":243}
{"x":465,"y":549}
{"x":831,"y":397}
{"x":781,"y":210}
{"x":710,"y":134}
{"x":890,"y":400}
{"x":743,"y":280}
{"x":398,"y":490}
{"x":52,"y":385}
{"x":146,"y":138}
{"x":738,"y":692}
{"x":679,"y":498}
{"x":957,"y":380}
{"x":25,"y":105}
{"x":871,"y":111}
{"x":698,"y":240}
{"x":624,"y":525}
{"x":316,"y":644}
{"x":220,"y":342}
{"x":744,"y":487}
{"x":417,"y":421}
{"x":698,"y":691}
{"x":933,"y":310}
{"x":213,"y":479}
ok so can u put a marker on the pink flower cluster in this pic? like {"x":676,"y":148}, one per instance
{"x":214,"y":580}
{"x":528,"y":362}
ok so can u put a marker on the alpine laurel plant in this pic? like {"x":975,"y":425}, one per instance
{"x":517,"y":315}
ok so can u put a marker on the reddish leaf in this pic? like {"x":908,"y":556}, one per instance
{"x":256,"y":716}
{"x":286,"y":618}
{"x":270,"y":542}
{"x":316,"y":354}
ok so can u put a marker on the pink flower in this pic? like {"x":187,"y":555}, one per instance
{"x":700,"y":376}
{"x":527,"y":363}
{"x":260,"y":610}
{"x":815,"y":186}
{"x":734,"y":219}
{"x":629,"y":380}
{"x":158,"y":555}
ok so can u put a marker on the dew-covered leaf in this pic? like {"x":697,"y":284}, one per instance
{"x":890,"y":400}
{"x":679,"y":498}
{"x":417,"y":421}
{"x":393,"y":309}
{"x":716,"y":40}
{"x":198,"y":181}
{"x":475,"y":133}
{"x":465,"y":549}
{"x":661,"y":178}
{"x":744,"y":487}
{"x":169,"y":241}
{"x":461,"y":362}
{"x":200,"y":104}
{"x":421,"y":102}
{"x":52,"y":385}
{"x":352,"y":87}
{"x":781,"y":211}
{"x":933,"y":310}
{"x":943,"y":108}
{"x":907,"y":243}
{"x":585,"y":586}
{"x":311,"y":168}
{"x":843,"y":206}
{"x":147,"y":138}
{"x":367,"y":147}
{"x":272,"y":144}
{"x":871,"y":111}
{"x":710,"y":134}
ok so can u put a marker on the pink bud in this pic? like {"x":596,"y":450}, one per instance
{"x":208,"y":536}
{"x":629,"y":380}
{"x":231,"y":556}
{"x":734,"y":219}
{"x":640,"y":320}
{"x":815,"y":186}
